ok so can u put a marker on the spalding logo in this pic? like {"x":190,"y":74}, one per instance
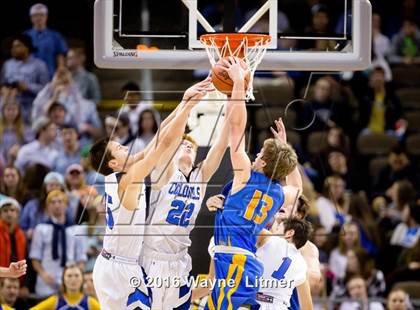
{"x":125,"y":53}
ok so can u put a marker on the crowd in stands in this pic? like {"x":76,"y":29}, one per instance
{"x":360,"y":172}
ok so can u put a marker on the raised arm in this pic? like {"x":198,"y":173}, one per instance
{"x":129,"y":188}
{"x":237,"y":117}
{"x":294,"y":178}
{"x":165,"y":166}
{"x":215,"y":155}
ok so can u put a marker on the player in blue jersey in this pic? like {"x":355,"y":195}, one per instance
{"x":255,"y":196}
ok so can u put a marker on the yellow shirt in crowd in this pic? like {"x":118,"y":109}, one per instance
{"x":72,"y":300}
{"x":377,"y":115}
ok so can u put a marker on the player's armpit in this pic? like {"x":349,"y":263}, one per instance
{"x":291,"y":195}
{"x":304,"y":296}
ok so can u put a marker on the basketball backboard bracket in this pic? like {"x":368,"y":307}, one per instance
{"x":108,"y":54}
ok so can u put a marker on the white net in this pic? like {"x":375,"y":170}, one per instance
{"x":251,"y":49}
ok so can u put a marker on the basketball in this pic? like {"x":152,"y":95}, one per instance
{"x":221,"y":80}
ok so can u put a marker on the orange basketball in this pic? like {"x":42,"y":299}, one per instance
{"x":221,"y":80}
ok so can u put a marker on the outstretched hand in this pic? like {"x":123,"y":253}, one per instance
{"x":280,"y":133}
{"x":235,"y":67}
{"x":17,"y":269}
{"x":198,"y":90}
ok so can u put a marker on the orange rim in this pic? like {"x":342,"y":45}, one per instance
{"x":235,"y":39}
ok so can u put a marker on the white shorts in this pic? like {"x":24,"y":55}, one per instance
{"x":167,"y":276}
{"x":120,"y":286}
{"x":272,"y":306}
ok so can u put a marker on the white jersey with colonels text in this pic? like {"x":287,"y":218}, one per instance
{"x":173,"y":211}
{"x":284,"y":269}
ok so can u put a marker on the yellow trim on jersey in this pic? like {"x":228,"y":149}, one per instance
{"x":229,"y":243}
{"x":231,"y":270}
{"x":6,"y":307}
{"x":239,"y":260}
{"x":210,"y":303}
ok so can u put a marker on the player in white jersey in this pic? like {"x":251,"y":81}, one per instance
{"x":178,"y":189}
{"x":118,"y":278}
{"x":284,"y":266}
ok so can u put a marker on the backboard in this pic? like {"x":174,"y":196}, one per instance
{"x":124,"y":29}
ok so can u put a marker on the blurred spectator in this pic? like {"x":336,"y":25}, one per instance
{"x":111,"y":127}
{"x":9,"y":292}
{"x":86,"y":81}
{"x":406,"y":44}
{"x":79,"y":110}
{"x":337,"y":164}
{"x":407,"y":233}
{"x":88,"y":287}
{"x":349,"y":239}
{"x":12,"y":237}
{"x":91,"y":214}
{"x":263,"y":24}
{"x":333,"y":204}
{"x":380,"y":108}
{"x":55,"y":244}
{"x":57,"y":113}
{"x":75,"y":182}
{"x":12,"y":184}
{"x":147,"y":128}
{"x":134,"y":105}
{"x":356,"y":287}
{"x":398,"y":300}
{"x":51,"y":46}
{"x":359,"y":262}
{"x":13,"y":132}
{"x":70,"y":154}
{"x":399,"y":168}
{"x":337,"y":139}
{"x":382,"y":45}
{"x":362,"y":214}
{"x":92,"y":177}
{"x":401,"y":194}
{"x":41,"y":150}
{"x":328,"y":112}
{"x":123,"y":132}
{"x":320,"y":27}
{"x":71,"y":295}
{"x":411,"y":271}
{"x":320,"y":239}
{"x":33,"y":179}
{"x":24,"y":73}
{"x":35,"y":210}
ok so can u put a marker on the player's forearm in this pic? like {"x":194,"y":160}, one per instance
{"x":4,"y":272}
{"x":295,"y":179}
{"x":215,"y":155}
{"x":236,"y":109}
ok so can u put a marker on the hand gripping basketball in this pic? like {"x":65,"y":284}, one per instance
{"x":228,"y":70}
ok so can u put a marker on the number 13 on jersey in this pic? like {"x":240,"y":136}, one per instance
{"x":255,"y":200}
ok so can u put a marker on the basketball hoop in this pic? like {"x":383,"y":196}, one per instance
{"x":249,"y":47}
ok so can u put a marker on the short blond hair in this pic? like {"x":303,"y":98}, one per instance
{"x":188,"y":138}
{"x":280,"y":159}
{"x":56,"y":193}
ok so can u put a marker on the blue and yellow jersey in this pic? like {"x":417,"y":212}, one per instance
{"x":247,"y":212}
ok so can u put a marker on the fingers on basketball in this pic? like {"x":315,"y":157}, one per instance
{"x":220,"y":77}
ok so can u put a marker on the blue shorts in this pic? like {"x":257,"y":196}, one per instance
{"x":236,"y":277}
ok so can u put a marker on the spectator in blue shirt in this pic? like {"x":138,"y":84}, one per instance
{"x":86,"y":81}
{"x":51,"y":45}
{"x":24,"y":73}
{"x":70,"y":154}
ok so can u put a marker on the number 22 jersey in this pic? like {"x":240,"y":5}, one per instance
{"x":174,"y":209}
